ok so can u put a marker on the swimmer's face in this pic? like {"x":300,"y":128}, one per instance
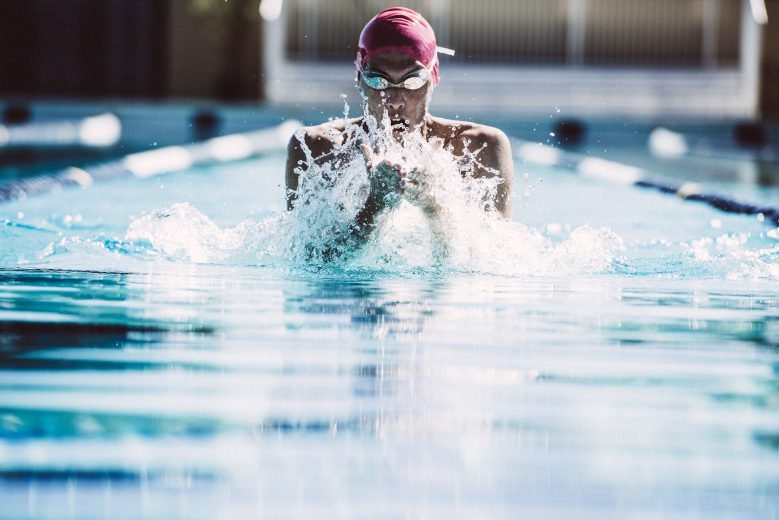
{"x":404,"y":106}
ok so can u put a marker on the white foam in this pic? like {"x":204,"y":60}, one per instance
{"x":730,"y":254}
{"x":182,"y":231}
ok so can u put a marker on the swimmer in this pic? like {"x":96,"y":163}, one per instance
{"x":397,"y":72}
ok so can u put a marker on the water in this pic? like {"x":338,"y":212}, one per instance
{"x":632,"y":374}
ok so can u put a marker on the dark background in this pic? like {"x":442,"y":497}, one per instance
{"x":136,"y":49}
{"x":173,"y":49}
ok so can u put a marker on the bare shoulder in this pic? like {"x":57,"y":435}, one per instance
{"x":485,"y":134}
{"x":467,"y":135}
{"x":321,"y":142}
{"x":492,"y":150}
{"x":490,"y":145}
{"x":320,"y":139}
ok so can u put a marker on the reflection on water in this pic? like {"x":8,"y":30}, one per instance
{"x":218,"y":392}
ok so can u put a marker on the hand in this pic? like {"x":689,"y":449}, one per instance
{"x":385,"y":178}
{"x":416,"y":188}
{"x":417,"y":185}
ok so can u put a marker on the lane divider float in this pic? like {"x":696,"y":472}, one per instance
{"x":618,"y":173}
{"x":149,"y":163}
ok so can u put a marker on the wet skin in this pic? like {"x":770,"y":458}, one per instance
{"x":407,"y":109}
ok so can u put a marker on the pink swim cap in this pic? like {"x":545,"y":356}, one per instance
{"x":399,"y":29}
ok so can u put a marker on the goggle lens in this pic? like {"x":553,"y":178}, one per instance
{"x":377,"y":81}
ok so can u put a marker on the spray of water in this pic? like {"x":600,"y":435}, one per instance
{"x":737,"y":256}
{"x":468,"y":234}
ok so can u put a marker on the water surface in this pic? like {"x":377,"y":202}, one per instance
{"x":138,"y":384}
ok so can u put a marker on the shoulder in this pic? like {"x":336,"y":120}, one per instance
{"x":467,"y":135}
{"x":492,"y":150}
{"x":491,"y":145}
{"x":471,"y":129}
{"x":320,"y":139}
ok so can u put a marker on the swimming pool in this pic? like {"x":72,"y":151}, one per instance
{"x":634,"y":372}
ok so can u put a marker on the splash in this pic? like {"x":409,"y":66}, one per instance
{"x":467,"y":235}
{"x":182,"y":231}
{"x":731,"y":254}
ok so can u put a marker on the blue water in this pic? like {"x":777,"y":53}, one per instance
{"x":140,"y":383}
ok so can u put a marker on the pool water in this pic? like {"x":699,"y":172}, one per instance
{"x":634,"y":379}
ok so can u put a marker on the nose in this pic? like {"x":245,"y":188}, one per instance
{"x":395,"y":99}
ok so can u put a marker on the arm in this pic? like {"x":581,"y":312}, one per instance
{"x":294,"y":154}
{"x":384,"y":191}
{"x":317,"y":147}
{"x":493,"y":152}
{"x":497,"y":157}
{"x":383,"y":175}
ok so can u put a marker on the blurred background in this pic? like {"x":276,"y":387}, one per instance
{"x":177,"y":71}
{"x":575,"y":52}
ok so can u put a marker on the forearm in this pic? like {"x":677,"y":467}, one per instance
{"x":365,"y":220}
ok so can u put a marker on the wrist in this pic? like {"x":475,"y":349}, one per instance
{"x":367,"y":215}
{"x":372,"y":205}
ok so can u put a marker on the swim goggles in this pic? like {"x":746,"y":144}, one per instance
{"x":378,"y":81}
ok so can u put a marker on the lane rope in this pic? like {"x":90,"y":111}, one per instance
{"x":100,"y":131}
{"x":149,"y":163}
{"x":618,"y":173}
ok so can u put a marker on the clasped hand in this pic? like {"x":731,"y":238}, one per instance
{"x":390,"y":182}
